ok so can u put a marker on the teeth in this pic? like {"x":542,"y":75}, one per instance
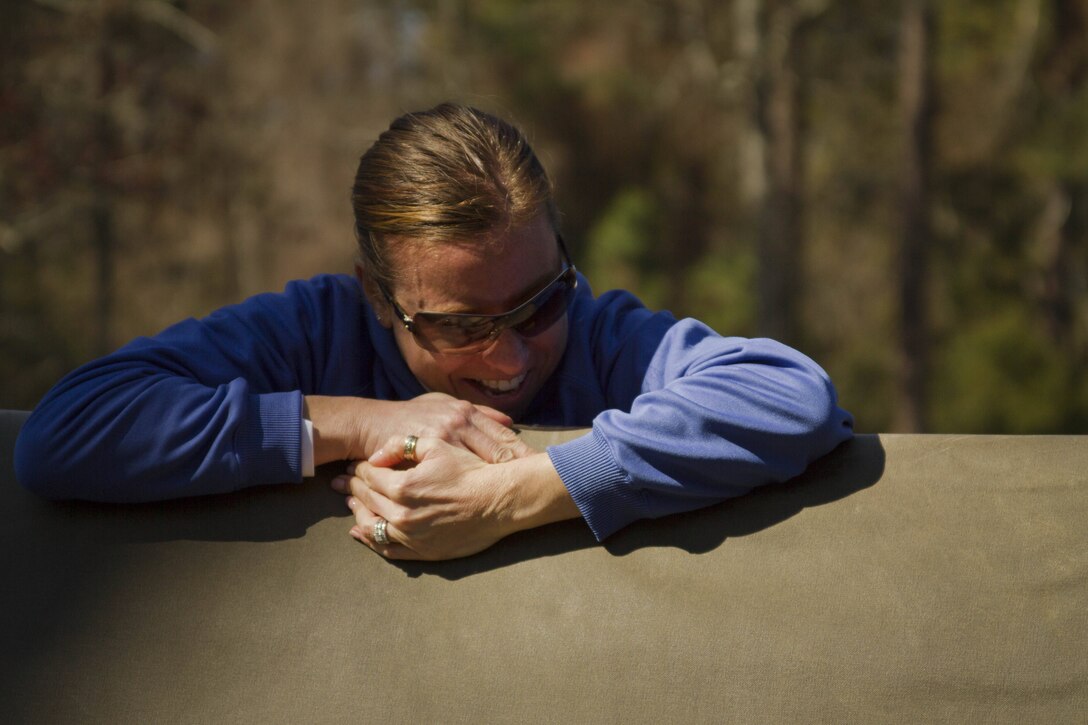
{"x":503,"y":386}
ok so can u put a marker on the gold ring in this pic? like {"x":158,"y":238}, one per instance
{"x":410,"y":448}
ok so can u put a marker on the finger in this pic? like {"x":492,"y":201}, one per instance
{"x":363,"y":531}
{"x":492,"y":441}
{"x":389,"y":551}
{"x":385,"y":481}
{"x":377,"y":503}
{"x":366,"y":516}
{"x":366,"y":520}
{"x":392,"y":453}
{"x":496,"y":415}
{"x":342,"y":483}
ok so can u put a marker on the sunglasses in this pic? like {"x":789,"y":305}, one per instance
{"x":459,"y":334}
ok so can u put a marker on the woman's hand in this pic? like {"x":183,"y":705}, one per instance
{"x":450,"y":503}
{"x":347,"y":428}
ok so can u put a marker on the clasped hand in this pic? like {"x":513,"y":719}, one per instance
{"x":449,"y":504}
{"x":473,"y":481}
{"x":348,"y":428}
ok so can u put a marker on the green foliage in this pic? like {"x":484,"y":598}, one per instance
{"x":1057,"y":144}
{"x":721,"y":288}
{"x":625,"y":249}
{"x":621,"y":247}
{"x":1002,"y":375}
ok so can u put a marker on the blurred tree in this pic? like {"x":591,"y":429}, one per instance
{"x":1061,"y":253}
{"x":916,"y":107}
{"x":742,"y":162}
{"x":1009,"y":167}
{"x":780,"y":102}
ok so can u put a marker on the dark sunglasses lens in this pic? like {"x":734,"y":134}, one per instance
{"x":468,"y":333}
{"x":446,"y":333}
{"x":555,"y":301}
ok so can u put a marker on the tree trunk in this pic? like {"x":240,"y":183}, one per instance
{"x":102,"y":227}
{"x":1061,"y":248}
{"x":916,"y":107}
{"x":780,"y":229}
{"x":752,"y":171}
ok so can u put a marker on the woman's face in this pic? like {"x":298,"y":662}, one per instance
{"x":488,"y":279}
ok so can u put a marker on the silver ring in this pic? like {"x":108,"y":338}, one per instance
{"x":410,"y":448}
{"x":379,"y":532}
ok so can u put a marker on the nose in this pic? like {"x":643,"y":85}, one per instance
{"x":508,"y":354}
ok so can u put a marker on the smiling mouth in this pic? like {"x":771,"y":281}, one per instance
{"x":500,"y":387}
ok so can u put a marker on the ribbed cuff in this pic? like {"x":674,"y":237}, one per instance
{"x":600,"y":488}
{"x":269,"y":444}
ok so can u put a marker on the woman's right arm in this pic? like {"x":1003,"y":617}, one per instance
{"x":207,"y":406}
{"x":217,"y":405}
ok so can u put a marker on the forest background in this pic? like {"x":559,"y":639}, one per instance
{"x":899,"y":188}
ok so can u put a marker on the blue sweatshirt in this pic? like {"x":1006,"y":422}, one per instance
{"x":681,"y":417}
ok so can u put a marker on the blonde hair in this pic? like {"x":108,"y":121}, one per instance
{"x":453,"y":174}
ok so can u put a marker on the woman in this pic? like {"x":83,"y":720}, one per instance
{"x":466,"y":315}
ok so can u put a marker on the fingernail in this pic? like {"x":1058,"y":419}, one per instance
{"x":377,"y":454}
{"x":339,"y":484}
{"x":356,"y":533}
{"x":352,"y":502}
{"x":351,"y":468}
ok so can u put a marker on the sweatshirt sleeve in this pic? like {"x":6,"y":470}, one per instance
{"x":207,"y":406}
{"x":711,"y":418}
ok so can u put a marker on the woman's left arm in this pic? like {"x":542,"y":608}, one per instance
{"x":711,"y":418}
